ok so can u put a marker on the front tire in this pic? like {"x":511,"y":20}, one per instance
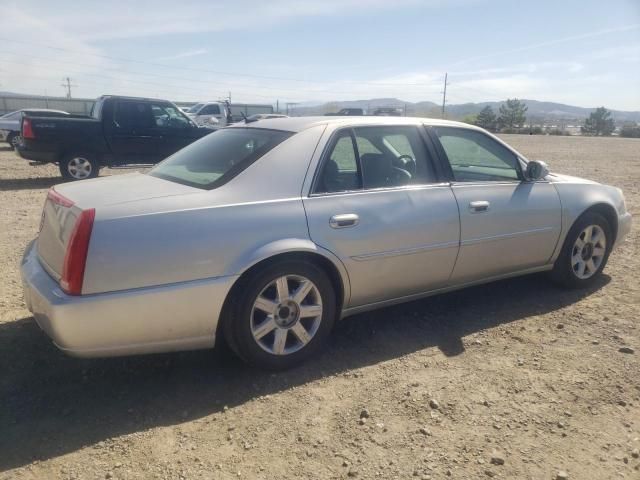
{"x":79,"y":166}
{"x":281,"y":315}
{"x":585,"y":252}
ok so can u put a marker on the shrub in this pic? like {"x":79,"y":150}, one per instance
{"x":557,"y":131}
{"x":630,"y":131}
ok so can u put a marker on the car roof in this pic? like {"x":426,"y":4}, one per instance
{"x":42,"y":110}
{"x":298,"y":124}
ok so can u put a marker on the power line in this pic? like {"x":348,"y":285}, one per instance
{"x":310,"y":90}
{"x":67,"y":85}
{"x":217,"y":72}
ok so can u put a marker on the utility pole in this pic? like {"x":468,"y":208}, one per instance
{"x":444,"y":94}
{"x":277,"y":106}
{"x":229,"y":97}
{"x":68,"y":86}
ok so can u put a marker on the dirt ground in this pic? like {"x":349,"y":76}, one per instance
{"x":513,"y":380}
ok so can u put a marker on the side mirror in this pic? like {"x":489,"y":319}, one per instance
{"x":536,"y":170}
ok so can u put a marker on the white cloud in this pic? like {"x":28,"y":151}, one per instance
{"x":185,"y":54}
{"x":143,"y":18}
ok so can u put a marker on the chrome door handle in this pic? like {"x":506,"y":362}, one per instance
{"x":345,"y":220}
{"x":479,"y":206}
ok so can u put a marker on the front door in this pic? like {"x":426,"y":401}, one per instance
{"x":175,"y":130}
{"x":376,"y":204}
{"x":507,"y":224}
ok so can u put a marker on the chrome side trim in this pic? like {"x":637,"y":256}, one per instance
{"x":474,"y":241}
{"x":404,"y":251}
{"x":417,"y":296}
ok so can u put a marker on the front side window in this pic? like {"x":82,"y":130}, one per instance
{"x":218,"y":157}
{"x":375,"y":157}
{"x":168,"y":116}
{"x":474,"y":156}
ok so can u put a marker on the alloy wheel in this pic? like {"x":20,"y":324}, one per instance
{"x":286,"y":314}
{"x":588,"y":252}
{"x":79,"y":168}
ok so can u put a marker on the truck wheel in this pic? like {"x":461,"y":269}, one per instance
{"x":79,"y":166}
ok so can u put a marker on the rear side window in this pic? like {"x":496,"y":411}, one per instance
{"x":375,"y":157}
{"x":218,"y":157}
{"x":132,"y":115}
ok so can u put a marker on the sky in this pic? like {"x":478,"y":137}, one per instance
{"x":577,"y":52}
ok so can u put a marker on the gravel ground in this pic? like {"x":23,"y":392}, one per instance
{"x":517,"y":379}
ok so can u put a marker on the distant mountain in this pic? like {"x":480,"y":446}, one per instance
{"x":538,"y":112}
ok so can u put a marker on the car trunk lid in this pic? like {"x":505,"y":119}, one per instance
{"x":66,"y":204}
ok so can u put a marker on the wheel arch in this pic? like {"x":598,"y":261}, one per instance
{"x":608,"y":212}
{"x":301,"y":250}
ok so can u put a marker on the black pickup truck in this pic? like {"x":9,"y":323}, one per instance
{"x":119,"y":131}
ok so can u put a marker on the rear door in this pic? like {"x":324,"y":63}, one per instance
{"x":508,"y":224}
{"x":134,"y":134}
{"x":376,"y":204}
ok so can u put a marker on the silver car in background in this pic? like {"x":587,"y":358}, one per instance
{"x":267,"y":233}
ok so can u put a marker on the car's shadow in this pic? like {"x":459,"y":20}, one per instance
{"x":10,"y":184}
{"x":52,"y":404}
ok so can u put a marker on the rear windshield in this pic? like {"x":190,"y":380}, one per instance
{"x":218,"y":157}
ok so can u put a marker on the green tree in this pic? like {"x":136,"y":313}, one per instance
{"x":487,"y":118}
{"x":599,"y":123}
{"x":512,"y":114}
{"x":470,"y":119}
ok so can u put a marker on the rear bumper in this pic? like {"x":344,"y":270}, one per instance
{"x":624,"y":227}
{"x":45,"y":157}
{"x":181,"y":316}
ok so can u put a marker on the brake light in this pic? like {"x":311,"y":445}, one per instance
{"x":58,"y":199}
{"x":75,"y":258}
{"x":27,"y":129}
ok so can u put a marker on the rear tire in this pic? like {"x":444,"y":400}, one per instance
{"x":281,"y":315}
{"x":14,"y":140}
{"x":585,"y":252}
{"x":79,"y":166}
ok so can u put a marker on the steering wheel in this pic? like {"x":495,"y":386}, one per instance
{"x":407,"y":163}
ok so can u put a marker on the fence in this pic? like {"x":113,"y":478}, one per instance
{"x":79,"y":106}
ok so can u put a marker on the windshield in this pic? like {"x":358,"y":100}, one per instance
{"x":12,"y":115}
{"x":195,"y":108}
{"x":218,"y":157}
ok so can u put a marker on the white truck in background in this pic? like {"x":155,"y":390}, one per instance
{"x":221,"y":114}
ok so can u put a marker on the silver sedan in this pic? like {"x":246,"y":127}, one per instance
{"x":266,"y":233}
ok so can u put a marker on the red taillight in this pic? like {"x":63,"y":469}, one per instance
{"x":27,"y":129}
{"x":76,"y":257}
{"x":58,"y":199}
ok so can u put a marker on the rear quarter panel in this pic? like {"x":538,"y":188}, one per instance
{"x":206,"y":234}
